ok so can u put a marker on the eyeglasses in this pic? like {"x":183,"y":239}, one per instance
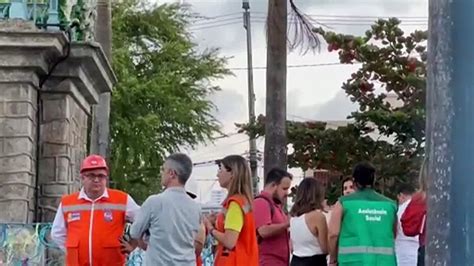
{"x":94,"y":177}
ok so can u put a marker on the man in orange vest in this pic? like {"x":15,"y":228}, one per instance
{"x":89,"y":224}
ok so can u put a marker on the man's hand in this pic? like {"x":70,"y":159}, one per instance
{"x":208,"y":224}
{"x":271,"y":230}
{"x":212,"y":217}
{"x":127,"y":247}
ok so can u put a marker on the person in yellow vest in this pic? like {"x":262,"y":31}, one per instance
{"x":89,"y":224}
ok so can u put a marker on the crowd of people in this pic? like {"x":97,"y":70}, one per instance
{"x":362,"y":228}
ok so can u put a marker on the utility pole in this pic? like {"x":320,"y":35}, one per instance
{"x":275,"y":117}
{"x":450,"y":127}
{"x":251,"y":96}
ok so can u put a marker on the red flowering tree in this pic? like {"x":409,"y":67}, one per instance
{"x":388,"y":134}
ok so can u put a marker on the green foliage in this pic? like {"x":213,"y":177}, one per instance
{"x":392,"y":63}
{"x":161,"y":100}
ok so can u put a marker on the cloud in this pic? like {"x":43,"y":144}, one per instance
{"x":231,"y":107}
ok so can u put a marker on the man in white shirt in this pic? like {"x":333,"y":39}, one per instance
{"x":93,"y":218}
{"x":406,"y":247}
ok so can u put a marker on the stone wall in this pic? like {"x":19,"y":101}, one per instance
{"x":21,"y":69}
{"x":62,"y":105}
{"x":17,"y":148}
{"x":63,"y":141}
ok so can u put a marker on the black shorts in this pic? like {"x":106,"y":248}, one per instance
{"x":316,"y":260}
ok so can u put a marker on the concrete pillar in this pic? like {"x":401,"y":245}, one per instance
{"x":26,"y":56}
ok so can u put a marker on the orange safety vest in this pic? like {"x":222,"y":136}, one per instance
{"x":94,"y":229}
{"x":245,"y":251}
{"x":198,"y":260}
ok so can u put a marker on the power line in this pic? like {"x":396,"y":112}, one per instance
{"x":213,"y":26}
{"x":319,"y":19}
{"x":344,"y":19}
{"x":316,"y":20}
{"x":201,"y":18}
{"x":329,"y":23}
{"x":227,"y":135}
{"x":342,"y":16}
{"x":296,"y":66}
{"x":214,"y":22}
{"x":356,"y":16}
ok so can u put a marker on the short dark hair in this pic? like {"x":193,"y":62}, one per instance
{"x":406,"y":189}
{"x":275,"y":175}
{"x":364,"y":175}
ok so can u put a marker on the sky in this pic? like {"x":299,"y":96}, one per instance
{"x":313,"y":88}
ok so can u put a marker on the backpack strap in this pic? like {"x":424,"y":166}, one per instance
{"x":272,"y":211}
{"x":270,"y":204}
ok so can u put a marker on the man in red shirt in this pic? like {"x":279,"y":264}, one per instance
{"x":271,"y":221}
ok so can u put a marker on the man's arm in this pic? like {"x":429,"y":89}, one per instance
{"x":143,"y":219}
{"x":334,"y":230}
{"x":200,"y":239}
{"x":132,"y":209}
{"x":266,"y":231}
{"x":263,"y":220}
{"x":58,"y":229}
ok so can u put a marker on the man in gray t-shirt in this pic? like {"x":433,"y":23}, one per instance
{"x":171,"y":217}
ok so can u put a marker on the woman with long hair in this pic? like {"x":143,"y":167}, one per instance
{"x":414,"y":218}
{"x":347,"y":186}
{"x":234,"y":228}
{"x":308,"y":226}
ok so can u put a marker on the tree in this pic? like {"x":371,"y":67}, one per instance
{"x":391,"y":63}
{"x":161,"y":100}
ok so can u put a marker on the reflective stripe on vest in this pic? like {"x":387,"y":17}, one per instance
{"x":366,"y":250}
{"x":97,"y":206}
{"x":92,"y":225}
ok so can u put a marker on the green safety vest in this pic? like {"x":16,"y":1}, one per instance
{"x":367,"y":237}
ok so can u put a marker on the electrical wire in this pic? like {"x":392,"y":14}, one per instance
{"x":219,"y":21}
{"x":320,"y":19}
{"x":354,"y":16}
{"x":348,"y":24}
{"x":297,"y":66}
{"x":206,"y":18}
